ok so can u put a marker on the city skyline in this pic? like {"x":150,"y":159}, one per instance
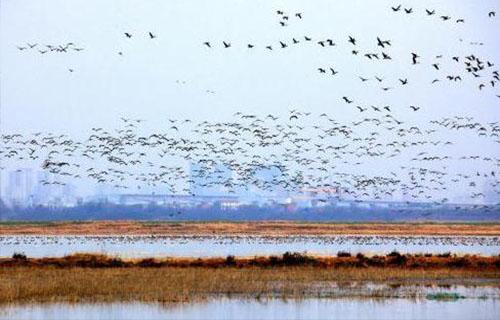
{"x":326,"y":100}
{"x":26,"y":187}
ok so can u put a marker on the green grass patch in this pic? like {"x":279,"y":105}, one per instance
{"x":445,"y":296}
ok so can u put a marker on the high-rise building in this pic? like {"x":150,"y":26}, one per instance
{"x":69,"y":194}
{"x":43,"y":192}
{"x":20,"y":187}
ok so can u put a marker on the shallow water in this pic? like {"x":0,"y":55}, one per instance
{"x":210,"y":246}
{"x":269,"y":309}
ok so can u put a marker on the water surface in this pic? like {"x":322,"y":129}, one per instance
{"x":269,"y":309}
{"x":210,"y":246}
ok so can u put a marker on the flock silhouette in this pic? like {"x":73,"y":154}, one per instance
{"x":291,"y":152}
{"x":474,"y":66}
{"x":50,"y":48}
{"x":296,"y":152}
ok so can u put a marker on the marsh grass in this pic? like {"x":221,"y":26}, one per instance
{"x":99,"y":278}
{"x":178,"y":284}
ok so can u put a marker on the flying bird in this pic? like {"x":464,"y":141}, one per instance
{"x":414,"y":57}
{"x":396,"y":9}
{"x":347,"y":100}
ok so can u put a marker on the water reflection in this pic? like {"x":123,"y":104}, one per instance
{"x":270,"y":309}
{"x":206,"y":246}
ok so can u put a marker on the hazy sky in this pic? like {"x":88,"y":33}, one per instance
{"x":169,"y":76}
{"x":38,"y":92}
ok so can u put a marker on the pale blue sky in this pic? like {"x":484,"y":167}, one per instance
{"x":38,"y":93}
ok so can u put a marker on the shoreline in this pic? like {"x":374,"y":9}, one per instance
{"x":263,"y":228}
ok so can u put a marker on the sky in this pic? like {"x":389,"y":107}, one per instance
{"x":176,"y":76}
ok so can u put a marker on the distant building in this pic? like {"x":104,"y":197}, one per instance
{"x":43,"y":191}
{"x":20,"y":187}
{"x":216,"y":181}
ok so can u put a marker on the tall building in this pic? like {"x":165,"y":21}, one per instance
{"x":20,"y":187}
{"x":69,"y":194}
{"x":43,"y":192}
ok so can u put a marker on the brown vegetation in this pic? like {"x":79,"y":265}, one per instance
{"x":270,"y":228}
{"x":174,"y":284}
{"x":342,"y":260}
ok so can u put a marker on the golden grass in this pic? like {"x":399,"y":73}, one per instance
{"x":176,"y":284}
{"x":269,"y":228}
{"x":87,"y":277}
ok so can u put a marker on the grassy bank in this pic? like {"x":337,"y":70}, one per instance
{"x":175,"y":284}
{"x":269,"y":228}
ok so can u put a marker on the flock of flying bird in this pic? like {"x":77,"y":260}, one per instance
{"x":50,"y":48}
{"x":432,"y":12}
{"x":472,"y":65}
{"x":273,"y":154}
{"x":295,"y":152}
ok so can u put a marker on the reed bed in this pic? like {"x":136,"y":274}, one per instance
{"x":181,"y":284}
{"x":99,"y":278}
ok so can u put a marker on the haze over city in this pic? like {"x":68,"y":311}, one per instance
{"x":414,"y":99}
